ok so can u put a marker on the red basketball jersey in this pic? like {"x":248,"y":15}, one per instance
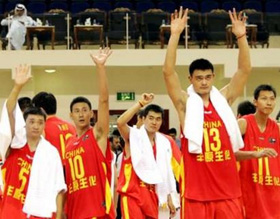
{"x":211,"y":175}
{"x":260,"y":178}
{"x":58,"y":132}
{"x":88,"y":174}
{"x":16,"y":171}
{"x":130,"y":185}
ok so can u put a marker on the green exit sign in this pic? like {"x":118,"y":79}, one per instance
{"x":125,"y":96}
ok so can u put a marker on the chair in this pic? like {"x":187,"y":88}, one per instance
{"x":195,"y":32}
{"x":37,"y":7}
{"x":189,"y":5}
{"x":102,"y":5}
{"x":167,"y":6}
{"x":272,"y":18}
{"x":208,"y":6}
{"x":3,"y":32}
{"x":117,"y":28}
{"x":89,"y":37}
{"x":229,"y":5}
{"x":215,"y":27}
{"x":272,"y":7}
{"x":144,"y":6}
{"x":1,"y":8}
{"x":150,"y":23}
{"x":59,"y":20}
{"x":77,"y":7}
{"x":59,"y":5}
{"x":9,"y":6}
{"x":256,"y":5}
{"x":124,"y":4}
{"x":256,"y":17}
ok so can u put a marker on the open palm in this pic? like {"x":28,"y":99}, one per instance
{"x":179,"y":20}
{"x":102,"y":56}
{"x":22,"y":74}
{"x":238,"y":23}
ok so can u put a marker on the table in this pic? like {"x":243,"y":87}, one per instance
{"x":36,"y":29}
{"x":251,"y":31}
{"x":96,"y":27}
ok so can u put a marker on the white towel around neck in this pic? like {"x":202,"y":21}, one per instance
{"x":194,"y":118}
{"x":46,"y":177}
{"x":148,"y":169}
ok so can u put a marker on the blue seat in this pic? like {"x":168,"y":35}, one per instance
{"x":229,"y":5}
{"x":167,"y":6}
{"x":257,"y":5}
{"x":272,"y":7}
{"x":102,"y":5}
{"x":189,"y":5}
{"x":208,"y":6}
{"x":9,"y":6}
{"x":144,"y":6}
{"x":37,"y":7}
{"x":123,"y":4}
{"x":59,"y":5}
{"x":77,"y":7}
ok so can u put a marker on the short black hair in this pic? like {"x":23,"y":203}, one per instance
{"x":140,"y":113}
{"x":47,"y":101}
{"x":263,"y":87}
{"x":111,"y":138}
{"x":24,"y":103}
{"x":278,"y":116}
{"x":245,"y":108}
{"x":79,"y":100}
{"x":200,"y":64}
{"x":116,"y":132}
{"x":172,"y":131}
{"x":33,"y":110}
{"x":154,"y":108}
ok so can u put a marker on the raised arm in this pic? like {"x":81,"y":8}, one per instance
{"x":128,"y":114}
{"x":101,"y":128}
{"x":22,"y":75}
{"x":173,"y":85}
{"x":239,"y":79}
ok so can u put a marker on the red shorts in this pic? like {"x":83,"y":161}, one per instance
{"x":224,"y":209}
{"x":132,"y":208}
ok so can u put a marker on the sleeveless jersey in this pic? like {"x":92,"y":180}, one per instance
{"x":211,"y":175}
{"x":130,"y":185}
{"x":260,"y":178}
{"x":16,"y":172}
{"x":58,"y":132}
{"x":87,"y":174}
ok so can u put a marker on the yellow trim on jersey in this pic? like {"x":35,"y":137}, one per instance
{"x":176,"y":168}
{"x":125,"y":207}
{"x":108,"y":195}
{"x":183,"y":207}
{"x":182,"y":176}
{"x":127,"y":176}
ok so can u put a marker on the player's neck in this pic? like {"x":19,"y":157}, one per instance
{"x":81,"y":130}
{"x":206,"y":99}
{"x":33,"y":143}
{"x":152,"y":136}
{"x":261,"y":120}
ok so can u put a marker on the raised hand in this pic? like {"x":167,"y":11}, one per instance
{"x":22,"y":74}
{"x":102,"y":56}
{"x":179,"y":21}
{"x":238,"y":23}
{"x":146,"y":98}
